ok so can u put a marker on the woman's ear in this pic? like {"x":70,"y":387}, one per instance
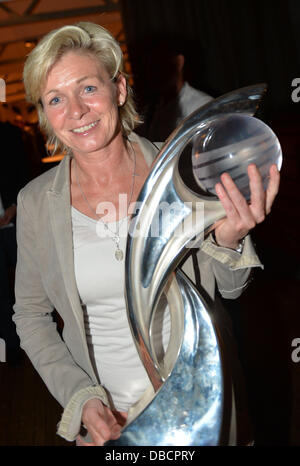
{"x":121,"y":89}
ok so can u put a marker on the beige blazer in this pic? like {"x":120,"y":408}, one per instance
{"x":45,"y":280}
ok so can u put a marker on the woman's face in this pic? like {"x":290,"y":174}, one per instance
{"x":81,"y":102}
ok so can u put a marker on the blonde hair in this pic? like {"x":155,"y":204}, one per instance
{"x":85,"y":36}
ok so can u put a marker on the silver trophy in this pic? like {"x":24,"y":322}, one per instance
{"x":190,"y":395}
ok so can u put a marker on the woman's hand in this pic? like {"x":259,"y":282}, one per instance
{"x":241,"y":217}
{"x":101,"y":423}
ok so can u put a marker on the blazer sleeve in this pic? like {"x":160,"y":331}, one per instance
{"x":213,"y":266}
{"x":37,"y":331}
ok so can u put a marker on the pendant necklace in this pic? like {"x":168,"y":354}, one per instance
{"x":119,"y":255}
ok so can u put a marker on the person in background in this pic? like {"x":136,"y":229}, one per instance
{"x":72,"y":228}
{"x":172,"y":97}
{"x":8,"y":259}
{"x":13,"y":176}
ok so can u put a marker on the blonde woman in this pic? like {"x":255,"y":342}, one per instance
{"x":72,"y":227}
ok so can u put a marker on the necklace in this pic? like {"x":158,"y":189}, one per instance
{"x":119,"y":255}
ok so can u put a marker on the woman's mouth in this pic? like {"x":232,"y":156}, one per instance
{"x":84,"y":129}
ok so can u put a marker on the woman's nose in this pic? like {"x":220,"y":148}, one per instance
{"x":77,"y":108}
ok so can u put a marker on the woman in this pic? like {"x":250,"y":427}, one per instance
{"x":72,"y":232}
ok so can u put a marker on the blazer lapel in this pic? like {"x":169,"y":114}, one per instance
{"x":149,"y":149}
{"x":61,"y":222}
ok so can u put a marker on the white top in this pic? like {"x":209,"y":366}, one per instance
{"x":100,"y":283}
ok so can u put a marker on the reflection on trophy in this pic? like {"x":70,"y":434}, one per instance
{"x":191,"y":390}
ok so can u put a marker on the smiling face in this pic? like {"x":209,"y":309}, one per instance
{"x":81,"y":102}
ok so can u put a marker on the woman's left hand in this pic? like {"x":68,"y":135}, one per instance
{"x":241,"y":217}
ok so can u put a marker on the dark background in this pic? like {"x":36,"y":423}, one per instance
{"x":229,"y":44}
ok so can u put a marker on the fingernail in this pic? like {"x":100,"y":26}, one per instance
{"x":252,"y":167}
{"x":217,"y":188}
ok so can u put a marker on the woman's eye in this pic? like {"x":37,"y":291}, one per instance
{"x":54,"y":101}
{"x":89,"y":89}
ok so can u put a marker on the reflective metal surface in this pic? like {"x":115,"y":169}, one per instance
{"x":229,"y":143}
{"x":187,"y":404}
